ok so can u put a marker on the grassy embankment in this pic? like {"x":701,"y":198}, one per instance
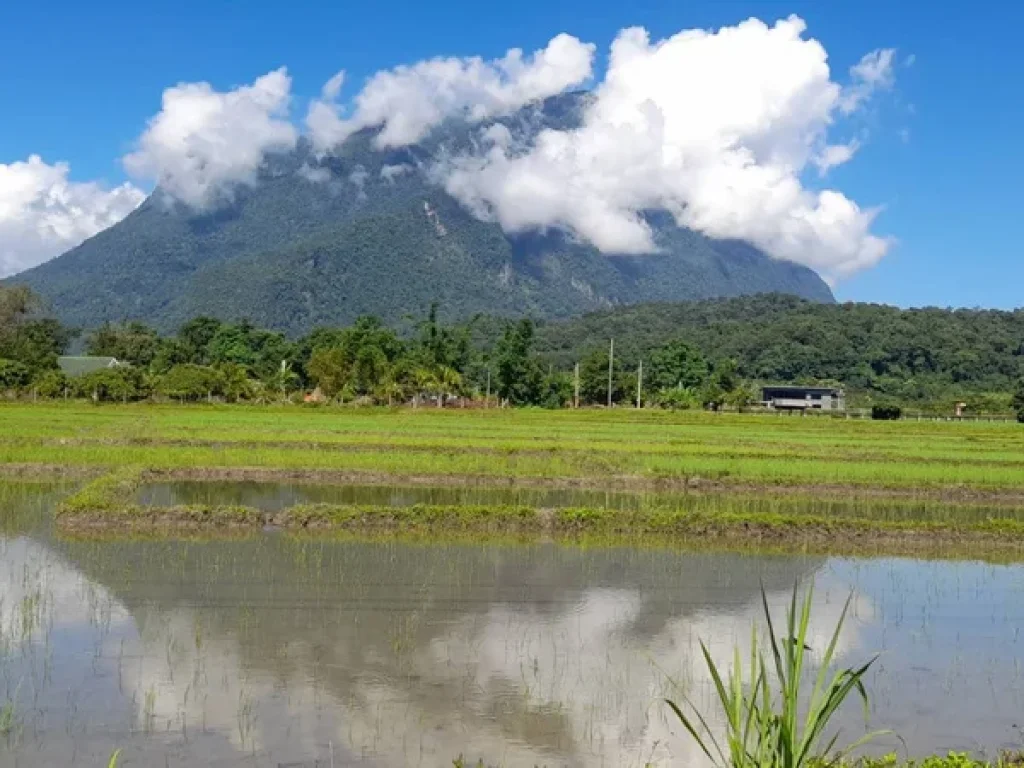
{"x":764,"y":478}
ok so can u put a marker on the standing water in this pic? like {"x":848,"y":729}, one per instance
{"x":281,"y":651}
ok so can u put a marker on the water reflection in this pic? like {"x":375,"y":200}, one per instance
{"x":278,"y":651}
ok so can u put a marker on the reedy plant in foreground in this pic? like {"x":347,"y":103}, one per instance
{"x":767,"y":724}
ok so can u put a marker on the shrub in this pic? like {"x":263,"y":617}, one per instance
{"x":113,"y":384}
{"x":51,"y":384}
{"x":886,"y":412}
{"x":677,"y":399}
{"x":191,"y":382}
{"x":13,"y":375}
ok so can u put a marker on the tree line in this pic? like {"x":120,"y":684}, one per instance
{"x":366,"y":362}
{"x":703,"y":354}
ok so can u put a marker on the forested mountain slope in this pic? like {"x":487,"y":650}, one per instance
{"x":912,"y":353}
{"x":322,"y":240}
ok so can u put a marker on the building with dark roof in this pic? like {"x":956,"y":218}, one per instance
{"x":787,"y":398}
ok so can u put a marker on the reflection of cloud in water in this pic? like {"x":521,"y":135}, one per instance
{"x":607,"y":683}
{"x":522,"y":657}
{"x":40,"y":592}
{"x":515,"y":686}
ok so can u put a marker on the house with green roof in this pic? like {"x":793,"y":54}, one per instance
{"x":79,"y":366}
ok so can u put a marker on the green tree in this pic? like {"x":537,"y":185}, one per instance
{"x":260,"y":351}
{"x":369,"y":369}
{"x":134,"y":343}
{"x":677,"y":399}
{"x":194,"y":338}
{"x":235,"y":382}
{"x":677,"y":364}
{"x":13,"y":375}
{"x":16,"y":303}
{"x":52,"y":383}
{"x":440,"y":345}
{"x":1018,"y":401}
{"x":518,"y":376}
{"x":556,"y":390}
{"x":283,"y":381}
{"x":449,"y":383}
{"x":35,"y":342}
{"x":328,"y":368}
{"x":191,"y":382}
{"x":120,"y":384}
{"x":724,"y":376}
{"x":742,"y":396}
{"x":594,"y":380}
{"x":170,"y":353}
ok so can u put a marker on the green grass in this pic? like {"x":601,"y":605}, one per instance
{"x":108,"y":505}
{"x":595,"y":445}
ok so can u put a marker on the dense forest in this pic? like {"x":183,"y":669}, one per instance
{"x":701,"y":354}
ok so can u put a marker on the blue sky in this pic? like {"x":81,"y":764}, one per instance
{"x":939,"y":151}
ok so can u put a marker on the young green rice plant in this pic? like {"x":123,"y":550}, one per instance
{"x":767,"y":722}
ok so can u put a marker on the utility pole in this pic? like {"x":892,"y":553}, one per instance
{"x":639,"y":382}
{"x":611,"y":363}
{"x":576,"y":387}
{"x":488,"y":401}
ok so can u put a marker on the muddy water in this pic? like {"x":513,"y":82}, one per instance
{"x":274,"y":651}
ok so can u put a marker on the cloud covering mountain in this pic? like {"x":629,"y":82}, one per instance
{"x":728,"y":131}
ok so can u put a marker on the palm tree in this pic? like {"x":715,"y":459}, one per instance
{"x":449,"y":383}
{"x":390,"y":389}
{"x":425,"y":382}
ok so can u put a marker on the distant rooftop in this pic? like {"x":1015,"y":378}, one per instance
{"x":789,"y":388}
{"x":79,"y":366}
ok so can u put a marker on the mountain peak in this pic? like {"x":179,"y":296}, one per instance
{"x":319,"y":240}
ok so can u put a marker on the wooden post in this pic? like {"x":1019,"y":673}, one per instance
{"x":611,"y":362}
{"x":487,"y":402}
{"x":639,"y":382}
{"x":576,"y":387}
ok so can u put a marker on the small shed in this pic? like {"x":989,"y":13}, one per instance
{"x":79,"y":366}
{"x":789,"y":398}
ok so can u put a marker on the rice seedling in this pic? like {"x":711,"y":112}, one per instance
{"x":651,"y":446}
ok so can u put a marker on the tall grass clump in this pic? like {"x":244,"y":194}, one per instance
{"x":767,"y":722}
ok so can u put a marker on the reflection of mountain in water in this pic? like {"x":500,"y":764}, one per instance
{"x":521,"y":655}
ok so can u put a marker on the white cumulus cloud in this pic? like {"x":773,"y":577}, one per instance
{"x":407,"y":101}
{"x":43,"y":213}
{"x":715,"y":127}
{"x":204,"y":142}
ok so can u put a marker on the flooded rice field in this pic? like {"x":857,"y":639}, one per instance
{"x":274,"y":497}
{"x":275,"y":650}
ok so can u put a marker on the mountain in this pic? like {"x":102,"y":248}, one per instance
{"x":322,"y":240}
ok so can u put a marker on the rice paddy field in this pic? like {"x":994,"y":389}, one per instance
{"x":236,"y":586}
{"x":590,"y":446}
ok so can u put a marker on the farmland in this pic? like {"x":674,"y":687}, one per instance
{"x":315,"y":556}
{"x":770,"y":477}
